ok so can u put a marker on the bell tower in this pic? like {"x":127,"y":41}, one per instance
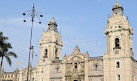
{"x":119,"y":33}
{"x":51,"y":43}
{"x":119,"y":60}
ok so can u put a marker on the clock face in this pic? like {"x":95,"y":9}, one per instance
{"x":116,"y":52}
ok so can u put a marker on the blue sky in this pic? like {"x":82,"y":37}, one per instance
{"x":81,"y":22}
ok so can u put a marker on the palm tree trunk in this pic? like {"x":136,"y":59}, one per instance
{"x":1,"y":63}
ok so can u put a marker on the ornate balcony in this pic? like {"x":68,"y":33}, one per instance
{"x":116,"y":48}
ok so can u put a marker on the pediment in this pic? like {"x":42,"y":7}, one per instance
{"x":76,"y":57}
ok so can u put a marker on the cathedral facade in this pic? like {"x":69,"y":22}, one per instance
{"x":117,"y":64}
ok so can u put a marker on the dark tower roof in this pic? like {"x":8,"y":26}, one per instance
{"x":117,"y":6}
{"x":52,"y":26}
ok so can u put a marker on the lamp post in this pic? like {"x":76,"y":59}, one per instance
{"x":33,"y":14}
{"x":32,"y":61}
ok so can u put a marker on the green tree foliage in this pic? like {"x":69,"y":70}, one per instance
{"x":4,"y":50}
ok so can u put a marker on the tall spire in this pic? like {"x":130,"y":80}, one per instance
{"x":117,"y":3}
{"x":117,"y":6}
{"x":53,"y":20}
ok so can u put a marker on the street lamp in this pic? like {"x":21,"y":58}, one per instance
{"x":33,"y":53}
{"x":33,"y":14}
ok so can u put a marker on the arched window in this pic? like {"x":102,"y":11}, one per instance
{"x":46,"y":53}
{"x":118,"y":77}
{"x":117,"y":43}
{"x":57,"y":69}
{"x":42,"y":70}
{"x":76,"y":66}
{"x":96,"y":67}
{"x":56,"y":53}
{"x":117,"y":64}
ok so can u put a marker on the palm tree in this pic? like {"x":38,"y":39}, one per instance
{"x":4,"y":50}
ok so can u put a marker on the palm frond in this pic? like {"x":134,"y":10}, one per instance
{"x":4,"y":49}
{"x":5,"y":38}
{"x":8,"y":45}
{"x":2,"y":38}
{"x":8,"y":60}
{"x":12,"y":54}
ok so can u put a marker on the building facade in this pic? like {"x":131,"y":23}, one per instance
{"x":117,"y":64}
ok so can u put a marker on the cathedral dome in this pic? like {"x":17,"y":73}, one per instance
{"x":76,"y":50}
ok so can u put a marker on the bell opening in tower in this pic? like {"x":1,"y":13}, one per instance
{"x":46,"y":53}
{"x":56,"y":56}
{"x":75,"y":65}
{"x":117,"y":44}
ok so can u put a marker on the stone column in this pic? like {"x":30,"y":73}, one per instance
{"x":86,"y":70}
{"x":63,"y":71}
